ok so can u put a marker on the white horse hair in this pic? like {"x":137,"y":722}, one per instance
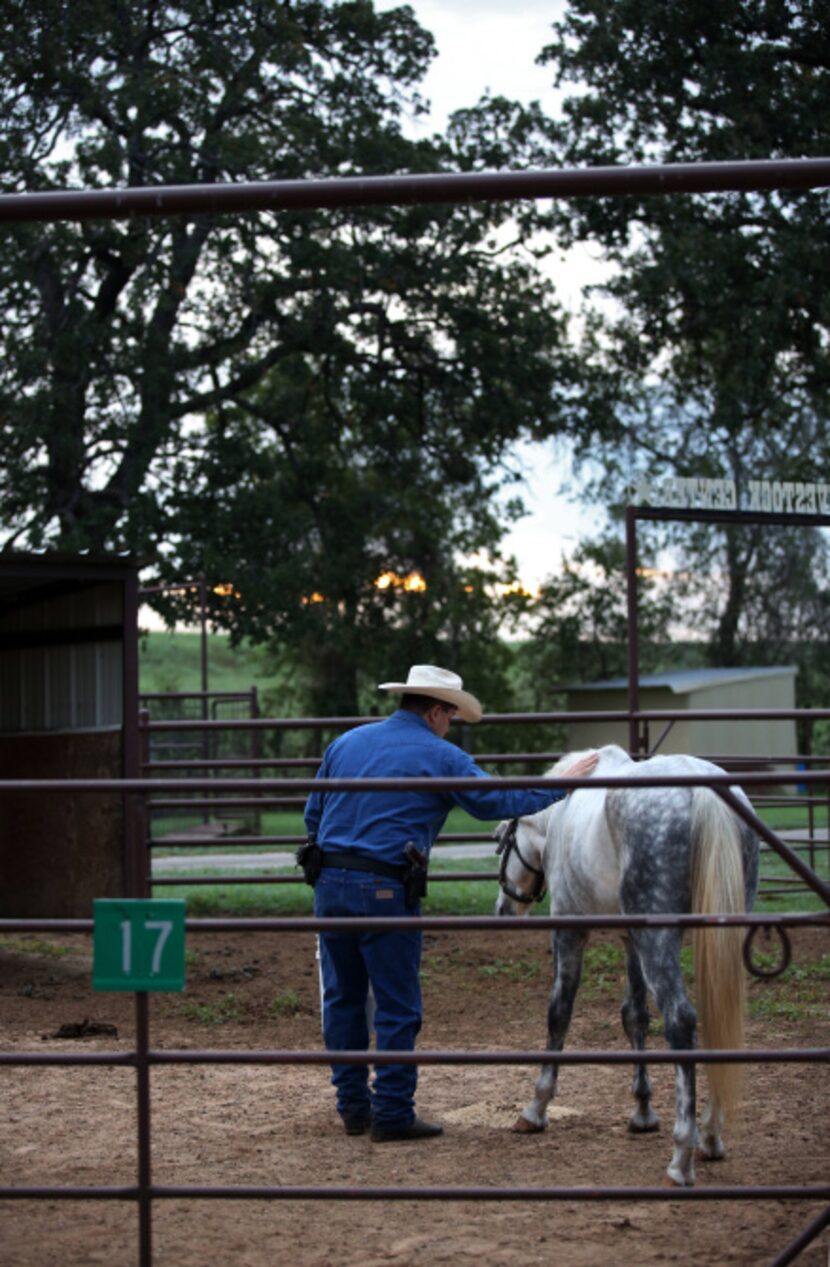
{"x":644,"y":850}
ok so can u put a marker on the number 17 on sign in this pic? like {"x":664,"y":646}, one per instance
{"x":138,"y":944}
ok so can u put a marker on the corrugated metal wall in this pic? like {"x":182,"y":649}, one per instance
{"x":64,"y":684}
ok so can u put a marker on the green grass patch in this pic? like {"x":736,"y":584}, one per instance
{"x":440,"y":965}
{"x":790,"y":817}
{"x":603,"y":970}
{"x":286,"y":1003}
{"x":34,"y":946}
{"x":243,"y":900}
{"x":770,"y":1007}
{"x":817,"y":970}
{"x":229,"y":1008}
{"x":806,"y":989}
{"x":513,"y":969}
{"x":791,"y":892}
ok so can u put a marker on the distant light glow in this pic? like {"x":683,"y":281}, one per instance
{"x":516,"y":587}
{"x":413,"y":583}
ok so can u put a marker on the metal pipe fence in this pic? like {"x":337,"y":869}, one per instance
{"x":144,"y":1193}
{"x":741,"y":766}
{"x":379,"y":191}
{"x":430,"y":187}
{"x":144,"y":1057}
{"x":262,"y":791}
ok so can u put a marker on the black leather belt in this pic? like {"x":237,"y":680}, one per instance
{"x":350,"y":860}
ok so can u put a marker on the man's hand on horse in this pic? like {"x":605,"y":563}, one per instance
{"x":584,"y":766}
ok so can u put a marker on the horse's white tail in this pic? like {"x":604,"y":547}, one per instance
{"x":718,"y":887}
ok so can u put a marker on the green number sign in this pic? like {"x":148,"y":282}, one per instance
{"x":138,"y":944}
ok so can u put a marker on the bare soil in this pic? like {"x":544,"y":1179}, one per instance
{"x":276,"y":1124}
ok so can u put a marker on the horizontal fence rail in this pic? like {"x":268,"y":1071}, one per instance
{"x":656,"y":1056}
{"x":506,"y":719}
{"x":444,"y":923}
{"x":750,"y":778}
{"x":287,"y":1192}
{"x":431,"y":187}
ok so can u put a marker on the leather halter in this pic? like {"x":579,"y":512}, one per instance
{"x":509,"y":843}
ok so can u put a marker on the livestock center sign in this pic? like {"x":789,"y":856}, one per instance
{"x":694,"y":493}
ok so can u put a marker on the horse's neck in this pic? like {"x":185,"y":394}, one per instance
{"x":581,"y":859}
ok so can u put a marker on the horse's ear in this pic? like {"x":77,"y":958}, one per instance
{"x":500,"y":835}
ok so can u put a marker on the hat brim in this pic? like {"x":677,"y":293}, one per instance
{"x":469,"y":709}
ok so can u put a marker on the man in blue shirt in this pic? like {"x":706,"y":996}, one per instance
{"x":366,"y":839}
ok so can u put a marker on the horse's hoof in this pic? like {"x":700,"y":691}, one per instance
{"x":641,"y":1125}
{"x":522,"y":1126}
{"x":672,"y":1181}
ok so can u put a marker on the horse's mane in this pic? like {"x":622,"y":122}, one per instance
{"x":568,"y":759}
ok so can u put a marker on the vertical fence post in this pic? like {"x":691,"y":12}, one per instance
{"x":142,"y":1047}
{"x":203,"y":659}
{"x":139,"y":843}
{"x":133,"y":848}
{"x":633,"y":630}
{"x":256,"y":752}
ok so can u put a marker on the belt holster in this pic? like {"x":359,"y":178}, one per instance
{"x":310,"y":857}
{"x":414,"y":876}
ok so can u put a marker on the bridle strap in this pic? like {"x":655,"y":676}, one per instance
{"x":508,"y":843}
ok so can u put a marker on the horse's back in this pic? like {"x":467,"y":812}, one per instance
{"x":655,"y":830}
{"x":630,"y":848}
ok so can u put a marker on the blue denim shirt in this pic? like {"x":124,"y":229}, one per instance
{"x":381,"y":823}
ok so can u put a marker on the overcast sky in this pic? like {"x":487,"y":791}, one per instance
{"x":485,"y":44}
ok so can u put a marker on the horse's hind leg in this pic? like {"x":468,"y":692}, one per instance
{"x":568,"y":947}
{"x":660,"y":958}
{"x":711,"y":1132}
{"x":635,"y":1019}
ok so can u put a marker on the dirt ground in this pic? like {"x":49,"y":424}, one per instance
{"x":276,"y":1124}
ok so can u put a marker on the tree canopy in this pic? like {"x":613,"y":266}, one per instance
{"x":713,"y":352}
{"x":298,"y":403}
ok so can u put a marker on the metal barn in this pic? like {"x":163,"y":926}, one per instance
{"x":68,"y":710}
{"x":689,"y":690}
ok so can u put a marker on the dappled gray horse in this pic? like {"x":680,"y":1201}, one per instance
{"x":638,"y":850}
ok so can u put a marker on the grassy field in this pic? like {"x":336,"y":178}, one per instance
{"x":446,"y":897}
{"x":468,"y":897}
{"x":171,"y":661}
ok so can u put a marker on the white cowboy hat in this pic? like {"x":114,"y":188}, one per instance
{"x":426,"y":679}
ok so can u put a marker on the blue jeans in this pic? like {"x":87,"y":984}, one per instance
{"x":349,"y":961}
